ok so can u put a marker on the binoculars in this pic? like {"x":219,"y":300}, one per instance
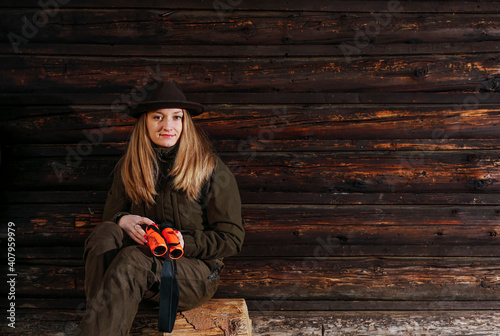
{"x":162,"y":239}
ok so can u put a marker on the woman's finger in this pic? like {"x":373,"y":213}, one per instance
{"x":135,"y":235}
{"x":181,"y":238}
{"x":145,"y":220}
{"x":140,"y":234}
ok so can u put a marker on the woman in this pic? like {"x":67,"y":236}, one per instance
{"x":168,"y":174}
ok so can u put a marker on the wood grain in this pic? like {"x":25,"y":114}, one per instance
{"x":432,"y":125}
{"x":320,"y":172}
{"x":46,"y":74}
{"x":279,"y":230}
{"x":332,"y":278}
{"x":165,"y":27}
{"x":364,"y":138}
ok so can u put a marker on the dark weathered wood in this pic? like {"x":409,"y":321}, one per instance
{"x":420,"y":48}
{"x":32,"y":104}
{"x":264,"y":306}
{"x":423,"y":6}
{"x":324,"y":95}
{"x":261,"y":197}
{"x":331,"y":279}
{"x":318,"y":230}
{"x":279,"y":129}
{"x":300,"y":145}
{"x":367,"y":278}
{"x":386,"y":323}
{"x":48,"y":74}
{"x":369,"y":182}
{"x":182,"y":27}
{"x":431,"y":124}
{"x":49,"y":255}
{"x":257,"y":307}
{"x":317,"y":172}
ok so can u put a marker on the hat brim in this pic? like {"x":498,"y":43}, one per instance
{"x":137,"y":110}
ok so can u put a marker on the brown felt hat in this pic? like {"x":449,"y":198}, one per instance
{"x":165,"y":95}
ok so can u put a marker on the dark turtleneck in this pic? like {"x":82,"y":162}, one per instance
{"x":166,"y":157}
{"x":165,"y":153}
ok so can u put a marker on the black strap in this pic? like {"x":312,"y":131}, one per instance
{"x":169,"y":296}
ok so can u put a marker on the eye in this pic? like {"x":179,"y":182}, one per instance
{"x":157,"y":117}
{"x":178,"y":117}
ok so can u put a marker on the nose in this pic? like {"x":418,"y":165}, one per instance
{"x":165,"y":124}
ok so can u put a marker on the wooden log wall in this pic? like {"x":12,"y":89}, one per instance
{"x":364,"y":135}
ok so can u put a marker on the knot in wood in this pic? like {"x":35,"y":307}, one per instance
{"x":421,"y":72}
{"x":342,"y":239}
{"x":249,"y":30}
{"x":492,"y":84}
{"x":472,"y":158}
{"x":476,"y":184}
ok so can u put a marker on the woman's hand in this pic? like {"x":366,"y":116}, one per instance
{"x":131,"y":224}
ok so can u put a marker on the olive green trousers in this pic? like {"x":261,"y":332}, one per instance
{"x":119,"y":274}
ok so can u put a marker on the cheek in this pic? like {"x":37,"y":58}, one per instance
{"x":152,"y":129}
{"x":149,"y":126}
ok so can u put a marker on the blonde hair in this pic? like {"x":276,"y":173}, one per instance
{"x":192,"y":168}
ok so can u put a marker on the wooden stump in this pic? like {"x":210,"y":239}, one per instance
{"x":225,"y":317}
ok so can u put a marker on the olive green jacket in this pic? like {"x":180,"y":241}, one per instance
{"x":211,"y":227}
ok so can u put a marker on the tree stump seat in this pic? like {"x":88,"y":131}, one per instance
{"x":224,"y":317}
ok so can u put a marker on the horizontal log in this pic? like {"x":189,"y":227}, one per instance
{"x":50,"y":74}
{"x":300,"y":230}
{"x":422,"y":6}
{"x":335,"y":172}
{"x":260,"y":307}
{"x":249,"y":197}
{"x":65,"y":255}
{"x":322,"y":96}
{"x":376,"y":323}
{"x":300,"y":145}
{"x":415,"y":47}
{"x":363,"y":278}
{"x":432,"y":125}
{"x":187,"y":27}
{"x":368,"y":278}
{"x":384,"y":323}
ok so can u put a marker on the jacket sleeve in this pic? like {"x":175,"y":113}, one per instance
{"x":224,"y":233}
{"x":117,"y":203}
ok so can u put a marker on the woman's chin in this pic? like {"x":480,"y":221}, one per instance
{"x":165,"y":142}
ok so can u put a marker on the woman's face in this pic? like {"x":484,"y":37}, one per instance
{"x":165,"y":126}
